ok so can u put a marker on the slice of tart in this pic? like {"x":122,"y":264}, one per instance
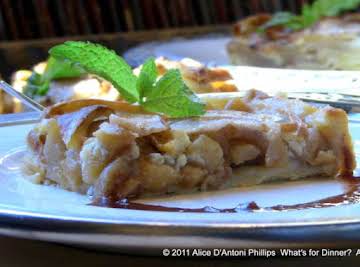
{"x":116,"y":150}
{"x":332,"y":43}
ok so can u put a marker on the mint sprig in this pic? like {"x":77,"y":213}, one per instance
{"x":147,"y":78}
{"x":172,"y":97}
{"x":38,"y":84}
{"x":97,"y":59}
{"x":310,"y":14}
{"x":169,"y":95}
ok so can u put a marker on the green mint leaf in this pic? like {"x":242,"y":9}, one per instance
{"x":280,"y":18}
{"x":180,"y":106}
{"x":97,"y":59}
{"x":309,"y":17}
{"x":310,"y":14}
{"x":331,"y":8}
{"x":169,"y":84}
{"x":38,"y":84}
{"x":169,"y":95}
{"x":325,"y":8}
{"x":58,"y":69}
{"x":172,"y":97}
{"x":147,"y":78}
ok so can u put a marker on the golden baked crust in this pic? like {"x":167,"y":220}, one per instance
{"x":332,"y":43}
{"x":114,"y":149}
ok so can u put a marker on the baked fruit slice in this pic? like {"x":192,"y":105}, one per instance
{"x":332,"y":43}
{"x":116,"y":150}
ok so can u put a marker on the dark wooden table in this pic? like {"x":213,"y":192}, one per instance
{"x":19,"y":252}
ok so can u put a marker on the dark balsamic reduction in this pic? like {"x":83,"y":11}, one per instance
{"x":125,"y":204}
{"x":351,"y":196}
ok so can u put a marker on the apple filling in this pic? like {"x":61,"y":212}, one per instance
{"x":112,"y":149}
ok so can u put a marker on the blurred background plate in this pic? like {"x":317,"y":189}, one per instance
{"x":209,"y":50}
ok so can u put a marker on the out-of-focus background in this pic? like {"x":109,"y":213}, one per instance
{"x":36,"y":19}
{"x":29,"y":27}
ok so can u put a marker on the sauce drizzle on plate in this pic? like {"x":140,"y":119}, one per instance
{"x":351,"y":196}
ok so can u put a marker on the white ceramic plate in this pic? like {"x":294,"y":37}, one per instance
{"x":48,"y":213}
{"x":210,"y":50}
{"x":207,"y":50}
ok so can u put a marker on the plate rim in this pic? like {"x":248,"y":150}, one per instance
{"x":151,"y":238}
{"x":19,"y":214}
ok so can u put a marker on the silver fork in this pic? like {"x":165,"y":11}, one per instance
{"x":25,"y":117}
{"x":22,"y":97}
